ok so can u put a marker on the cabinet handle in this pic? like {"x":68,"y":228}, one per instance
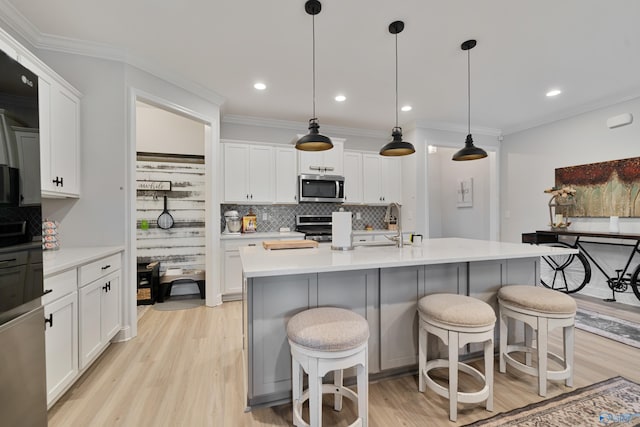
{"x":106,"y":266}
{"x":49,"y":321}
{"x":328,"y":168}
{"x":107,"y":286}
{"x":247,"y":197}
{"x":47,"y":291}
{"x":59,"y":181}
{"x":251,"y":244}
{"x":252,"y":197}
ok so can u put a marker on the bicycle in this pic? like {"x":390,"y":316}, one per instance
{"x":571,"y":273}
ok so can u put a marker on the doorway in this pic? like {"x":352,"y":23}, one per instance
{"x":463,"y":198}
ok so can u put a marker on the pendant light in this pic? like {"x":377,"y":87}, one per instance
{"x":314,"y":141}
{"x":470,"y":151}
{"x":397,"y":147}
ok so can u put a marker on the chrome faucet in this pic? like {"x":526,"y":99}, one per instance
{"x":398,"y":237}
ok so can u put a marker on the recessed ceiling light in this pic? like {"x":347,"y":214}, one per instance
{"x":260,"y":86}
{"x":340,"y":98}
{"x":406,"y":108}
{"x":554,"y":92}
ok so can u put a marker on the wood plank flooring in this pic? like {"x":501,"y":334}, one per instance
{"x":185,"y":369}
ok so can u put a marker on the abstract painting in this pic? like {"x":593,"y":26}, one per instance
{"x":604,"y":189}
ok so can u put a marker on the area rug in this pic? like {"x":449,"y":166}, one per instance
{"x":613,"y":402}
{"x":613,"y":328}
{"x":179,"y":303}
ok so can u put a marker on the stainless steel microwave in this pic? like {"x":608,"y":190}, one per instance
{"x":321,"y":188}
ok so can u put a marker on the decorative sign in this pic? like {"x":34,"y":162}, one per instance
{"x":604,"y":189}
{"x":153,"y":185}
{"x":465,"y":193}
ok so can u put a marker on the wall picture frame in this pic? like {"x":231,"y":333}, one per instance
{"x":464,"y":190}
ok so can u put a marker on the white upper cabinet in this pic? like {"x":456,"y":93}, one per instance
{"x":353,"y":177}
{"x":248,"y":173}
{"x":329,"y":162}
{"x":286,"y":175}
{"x":382,"y":179}
{"x":59,"y":130}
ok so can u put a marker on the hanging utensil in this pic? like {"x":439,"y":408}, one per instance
{"x":165,"y":220}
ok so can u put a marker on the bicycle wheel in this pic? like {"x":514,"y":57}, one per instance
{"x":634,"y":282}
{"x":565,"y":273}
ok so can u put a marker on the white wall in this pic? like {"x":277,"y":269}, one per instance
{"x":528,"y":162}
{"x":161,"y":131}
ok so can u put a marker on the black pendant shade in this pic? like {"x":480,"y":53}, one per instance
{"x":314,"y":141}
{"x":397,"y":147}
{"x":470,"y":151}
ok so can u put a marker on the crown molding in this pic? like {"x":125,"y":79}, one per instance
{"x":455,"y":127}
{"x":43,"y":41}
{"x":573,"y":112}
{"x":298,"y":126}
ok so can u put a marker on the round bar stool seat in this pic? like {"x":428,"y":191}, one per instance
{"x":457,"y":320}
{"x":540,"y":310}
{"x":322,"y":340}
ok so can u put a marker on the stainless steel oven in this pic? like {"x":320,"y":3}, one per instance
{"x":321,"y":188}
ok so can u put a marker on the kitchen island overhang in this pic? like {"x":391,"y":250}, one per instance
{"x":383,"y":284}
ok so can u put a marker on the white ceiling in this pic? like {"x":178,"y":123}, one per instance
{"x":590,"y":49}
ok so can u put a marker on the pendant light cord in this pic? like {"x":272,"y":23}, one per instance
{"x":313,"y":31}
{"x":396,"y":80}
{"x":469,"y":90}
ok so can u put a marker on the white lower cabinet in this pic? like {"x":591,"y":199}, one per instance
{"x":99,"y":315}
{"x":61,"y":343}
{"x":232,"y":267}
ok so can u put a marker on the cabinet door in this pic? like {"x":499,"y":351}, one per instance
{"x":29,"y":160}
{"x":400,"y":290}
{"x":89,"y":303}
{"x":261,"y":174}
{"x":353,"y":177}
{"x":286,"y":176}
{"x":232,"y":272}
{"x":44,"y":107}
{"x":61,"y":343}
{"x":329,"y":162}
{"x":65,"y":140}
{"x":371,"y":171}
{"x":334,"y":159}
{"x":236,"y":172}
{"x":110,"y":306}
{"x":391,"y":179}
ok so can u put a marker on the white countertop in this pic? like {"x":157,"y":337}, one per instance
{"x":259,"y":262}
{"x":262,"y":235}
{"x":66,"y":258}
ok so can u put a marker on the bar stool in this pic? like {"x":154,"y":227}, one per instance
{"x":543,"y":310}
{"x":457,"y":320}
{"x":322,"y":340}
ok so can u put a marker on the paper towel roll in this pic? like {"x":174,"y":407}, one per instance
{"x":341,"y":231}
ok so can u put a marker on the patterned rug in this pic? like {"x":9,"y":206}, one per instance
{"x":613,"y":402}
{"x":613,"y":328}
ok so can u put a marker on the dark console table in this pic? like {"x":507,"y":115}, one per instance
{"x":148,"y":282}
{"x":572,"y":274}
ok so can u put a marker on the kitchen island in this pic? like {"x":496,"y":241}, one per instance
{"x":381,"y":283}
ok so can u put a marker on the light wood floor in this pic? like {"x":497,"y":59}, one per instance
{"x":184,"y":369}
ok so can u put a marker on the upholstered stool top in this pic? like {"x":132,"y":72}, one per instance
{"x":536,"y":298}
{"x":457,"y":310}
{"x":328,"y":329}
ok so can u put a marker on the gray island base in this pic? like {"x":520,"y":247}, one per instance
{"x":383,"y":284}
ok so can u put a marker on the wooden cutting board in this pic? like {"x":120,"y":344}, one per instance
{"x":289,"y":244}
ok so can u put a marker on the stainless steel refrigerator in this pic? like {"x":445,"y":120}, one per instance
{"x":22,"y":323}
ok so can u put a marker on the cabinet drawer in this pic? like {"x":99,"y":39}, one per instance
{"x":97,"y":269}
{"x":60,"y":285}
{"x":237,"y":244}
